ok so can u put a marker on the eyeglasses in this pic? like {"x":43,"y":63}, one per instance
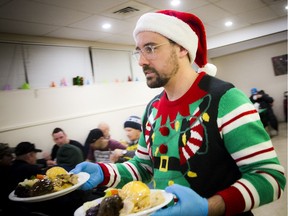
{"x":147,"y":51}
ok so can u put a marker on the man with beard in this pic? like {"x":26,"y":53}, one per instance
{"x":202,"y":138}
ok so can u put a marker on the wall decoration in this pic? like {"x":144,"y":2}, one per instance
{"x":280,"y":64}
{"x":78,"y":80}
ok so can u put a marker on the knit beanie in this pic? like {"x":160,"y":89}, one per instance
{"x":68,"y":156}
{"x":185,"y":29}
{"x":133,"y":122}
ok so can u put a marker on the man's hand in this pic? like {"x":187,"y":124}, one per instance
{"x":115,"y":155}
{"x":189,"y":203}
{"x":95,"y":171}
{"x":51,"y":163}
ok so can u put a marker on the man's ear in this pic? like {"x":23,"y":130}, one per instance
{"x":183,"y":52}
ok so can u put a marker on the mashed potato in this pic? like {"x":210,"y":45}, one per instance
{"x":136,"y":196}
{"x":138,"y":193}
{"x":54,"y":171}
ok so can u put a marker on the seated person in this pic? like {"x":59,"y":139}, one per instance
{"x":60,"y":138}
{"x":101,"y":147}
{"x":24,"y":166}
{"x":68,"y":156}
{"x":104,"y":127}
{"x":133,"y":128}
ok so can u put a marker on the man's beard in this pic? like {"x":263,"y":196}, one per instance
{"x":157,"y":82}
{"x":162,"y":80}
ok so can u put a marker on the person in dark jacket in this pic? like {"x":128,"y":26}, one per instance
{"x":263,"y":102}
{"x":24,"y":165}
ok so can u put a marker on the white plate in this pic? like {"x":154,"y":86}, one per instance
{"x":82,"y":178}
{"x":167,"y":196}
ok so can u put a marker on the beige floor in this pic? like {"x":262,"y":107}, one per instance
{"x":279,"y":207}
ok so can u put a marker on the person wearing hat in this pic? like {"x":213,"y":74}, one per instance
{"x":202,"y":138}
{"x":133,"y":128}
{"x":100,"y":146}
{"x":105,"y":128}
{"x":24,"y":165}
{"x":68,"y":156}
{"x":12,"y":172}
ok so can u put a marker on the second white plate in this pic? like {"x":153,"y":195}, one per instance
{"x":167,"y":196}
{"x":82,"y":178}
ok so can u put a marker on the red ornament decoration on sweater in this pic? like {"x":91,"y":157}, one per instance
{"x":164,"y":131}
{"x":163,"y":149}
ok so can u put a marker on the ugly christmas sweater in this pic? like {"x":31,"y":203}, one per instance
{"x":211,"y":140}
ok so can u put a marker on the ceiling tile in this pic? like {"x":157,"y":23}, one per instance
{"x":215,"y":13}
{"x":127,"y":10}
{"x":90,"y":6}
{"x":279,"y":8}
{"x":118,"y":39}
{"x":95,"y":23}
{"x":184,"y":5}
{"x":38,"y":13}
{"x":237,"y":23}
{"x":238,"y":6}
{"x":259,"y":15}
{"x":76,"y":33}
{"x":11,"y":26}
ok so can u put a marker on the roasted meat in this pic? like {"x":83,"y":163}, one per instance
{"x":44,"y":186}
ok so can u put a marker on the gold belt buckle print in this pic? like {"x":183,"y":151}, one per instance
{"x":164,"y":163}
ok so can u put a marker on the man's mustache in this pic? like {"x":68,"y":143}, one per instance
{"x":147,"y":68}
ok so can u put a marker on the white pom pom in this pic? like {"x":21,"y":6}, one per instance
{"x":209,"y":69}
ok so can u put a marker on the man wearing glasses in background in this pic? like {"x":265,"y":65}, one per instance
{"x":202,"y":138}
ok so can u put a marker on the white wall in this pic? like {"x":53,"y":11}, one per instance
{"x":31,"y":115}
{"x":253,"y":68}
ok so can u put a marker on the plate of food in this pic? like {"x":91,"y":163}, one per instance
{"x":134,"y":199}
{"x":57,"y":182}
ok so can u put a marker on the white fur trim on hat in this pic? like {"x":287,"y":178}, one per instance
{"x":170,"y":27}
{"x":210,"y":69}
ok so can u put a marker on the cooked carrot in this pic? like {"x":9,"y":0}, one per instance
{"x":40,"y":176}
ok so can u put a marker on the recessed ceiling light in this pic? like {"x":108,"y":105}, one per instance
{"x":228,"y":23}
{"x":175,"y":2}
{"x":106,"y":26}
{"x":286,"y":7}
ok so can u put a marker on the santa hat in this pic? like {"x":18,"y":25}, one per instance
{"x":185,"y":29}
